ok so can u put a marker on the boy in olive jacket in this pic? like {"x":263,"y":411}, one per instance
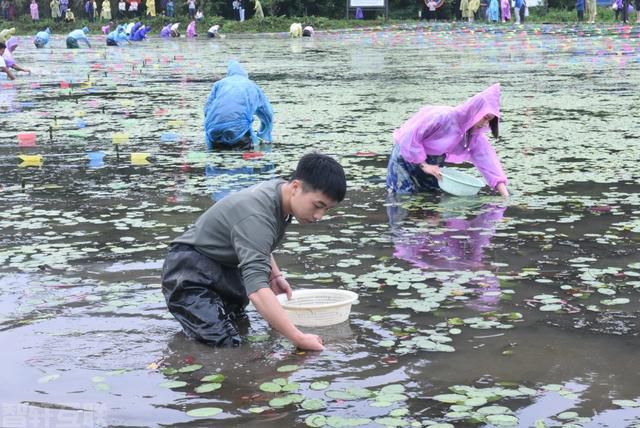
{"x":224,"y":261}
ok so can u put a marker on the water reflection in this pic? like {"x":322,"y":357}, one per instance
{"x":8,"y":103}
{"x":442,"y":238}
{"x":224,"y":180}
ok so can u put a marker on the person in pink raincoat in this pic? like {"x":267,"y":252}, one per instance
{"x":191,"y":29}
{"x":505,"y":8}
{"x":431,"y":241}
{"x":455,"y":134}
{"x":35,"y":14}
{"x":12,"y":44}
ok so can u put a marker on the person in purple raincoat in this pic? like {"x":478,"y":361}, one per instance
{"x":455,"y":134}
{"x":505,"y":7}
{"x":12,"y":44}
{"x":64,"y":5}
{"x":191,"y":29}
{"x":134,"y":29}
{"x":166,"y":31}
{"x":440,"y":246}
{"x":141,"y":34}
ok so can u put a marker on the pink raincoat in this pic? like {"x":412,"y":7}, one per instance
{"x":505,"y":5}
{"x":35,"y":14}
{"x":438,"y":130}
{"x":12,"y":44}
{"x":191,"y":29}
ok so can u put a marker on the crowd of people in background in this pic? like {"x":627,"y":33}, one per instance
{"x":493,"y":11}
{"x":517,"y":11}
{"x":94,"y":10}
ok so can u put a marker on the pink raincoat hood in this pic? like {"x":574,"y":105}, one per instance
{"x":12,"y":43}
{"x":443,"y":130}
{"x":475,"y":108}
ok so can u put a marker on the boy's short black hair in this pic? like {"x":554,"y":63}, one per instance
{"x":2,"y":45}
{"x":321,"y":173}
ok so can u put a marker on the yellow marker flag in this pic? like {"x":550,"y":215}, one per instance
{"x":138,"y":158}
{"x":30,"y":160}
{"x":175,"y":123}
{"x":120,"y":138}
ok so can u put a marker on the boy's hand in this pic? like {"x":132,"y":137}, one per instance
{"x":280,"y":285}
{"x":267,"y":305}
{"x":309,"y":342}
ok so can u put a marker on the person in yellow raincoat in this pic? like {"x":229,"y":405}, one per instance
{"x":259,"y":14}
{"x":151,"y":7}
{"x":6,"y":34}
{"x":464,"y":9}
{"x":474,"y":5}
{"x":105,"y":13}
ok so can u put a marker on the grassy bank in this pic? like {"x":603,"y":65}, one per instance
{"x":276,"y":24}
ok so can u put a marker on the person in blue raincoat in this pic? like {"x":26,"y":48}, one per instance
{"x":141,"y":34}
{"x":117,"y":37}
{"x":493,"y":13}
{"x":42,"y":38}
{"x":76,"y":36}
{"x":230,"y":108}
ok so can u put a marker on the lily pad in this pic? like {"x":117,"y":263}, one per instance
{"x":475,"y":402}
{"x":396,"y":413}
{"x":339,"y":422}
{"x":288,"y":368}
{"x":392,"y":389}
{"x":340,"y":395}
{"x":502,"y":420}
{"x":359,"y":392}
{"x":618,"y":301}
{"x":450,"y":398}
{"x":568,"y":415}
{"x":280,"y":381}
{"x":204,"y":412}
{"x":216,"y":378}
{"x":270,"y":387}
{"x":550,"y":308}
{"x":174,"y":384}
{"x":190,"y":368}
{"x":315,"y":421}
{"x":313,"y":404}
{"x":320,"y":385}
{"x":208,"y":387}
{"x":290,"y":387}
{"x":626,"y":403}
{"x":391,"y":398}
{"x":280,"y":401}
{"x":493,"y":410}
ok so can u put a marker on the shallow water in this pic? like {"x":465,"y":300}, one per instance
{"x":451,"y":290}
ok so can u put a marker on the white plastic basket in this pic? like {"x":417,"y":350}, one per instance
{"x":459,"y":183}
{"x":318,"y":307}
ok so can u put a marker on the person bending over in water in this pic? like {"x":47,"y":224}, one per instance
{"x":230,"y":109}
{"x":225,"y":260}
{"x":455,"y":134}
